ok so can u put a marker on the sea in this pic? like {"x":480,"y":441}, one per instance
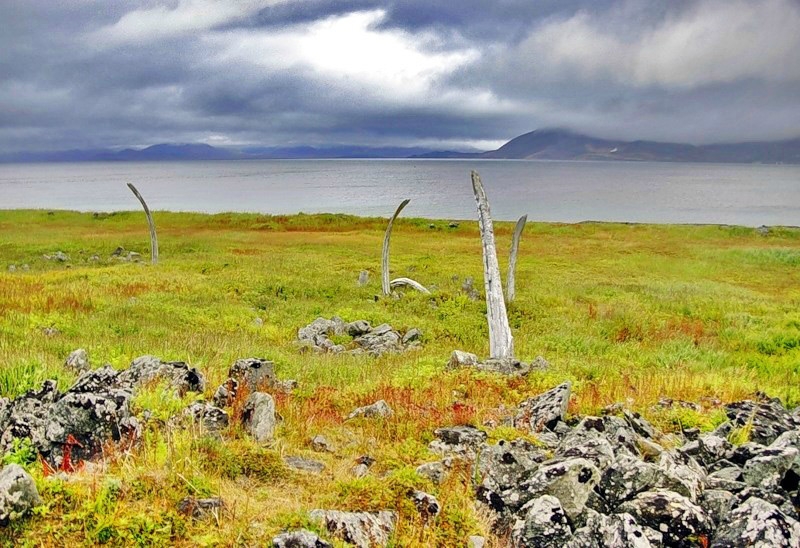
{"x":554,"y":191}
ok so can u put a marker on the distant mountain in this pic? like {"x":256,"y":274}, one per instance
{"x":543,"y":144}
{"x":558,"y":144}
{"x":186,"y":152}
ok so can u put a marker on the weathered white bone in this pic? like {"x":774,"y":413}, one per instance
{"x":397,"y":282}
{"x":512,"y":260}
{"x":153,"y":236}
{"x":501,"y":342}
{"x":385,"y":263}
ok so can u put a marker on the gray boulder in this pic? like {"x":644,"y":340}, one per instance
{"x":254,"y":373}
{"x":18,"y":494}
{"x":435,"y":471}
{"x":610,"y":531}
{"x":212,"y":419}
{"x":570,"y":481}
{"x":304,"y":465}
{"x":458,"y":441}
{"x":545,"y":410}
{"x":462,"y":359}
{"x":717,"y":504}
{"x":544,"y":525}
{"x":767,"y":419}
{"x":363,"y":529}
{"x":767,"y":470}
{"x":300,"y":539}
{"x":759,"y":524}
{"x":258,"y":416}
{"x":179,"y":375}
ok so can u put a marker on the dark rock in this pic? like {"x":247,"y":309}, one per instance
{"x":504,"y":366}
{"x":179,"y":375}
{"x":462,"y":441}
{"x":545,"y":410}
{"x":745,"y":452}
{"x":569,"y":480}
{"x":767,"y":469}
{"x":200,"y":508}
{"x":226,"y":393}
{"x":321,"y":444}
{"x":358,"y":328}
{"x":506,"y":464}
{"x":757,"y":523}
{"x":300,"y":539}
{"x":254,"y":373}
{"x":434,"y":471}
{"x":18,"y":493}
{"x":640,"y":425}
{"x":544,"y":525}
{"x":674,"y":515}
{"x":717,"y":504}
{"x":212,"y":419}
{"x":412,"y":335}
{"x":363,"y":529}
{"x":627,"y":478}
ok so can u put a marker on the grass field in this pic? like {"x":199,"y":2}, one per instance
{"x":627,"y":312}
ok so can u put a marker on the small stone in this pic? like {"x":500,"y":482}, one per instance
{"x":304,"y":465}
{"x":18,"y":494}
{"x":462,"y":359}
{"x":474,"y":541}
{"x":434,"y":471}
{"x":358,"y":328}
{"x":258,"y":416}
{"x":211,"y":418}
{"x":757,"y":523}
{"x":300,"y":539}
{"x":671,"y":514}
{"x":363,"y":278}
{"x":453,"y":224}
{"x":320,"y":444}
{"x":412,"y":335}
{"x":51,"y":331}
{"x":379,"y":409}
{"x":545,"y":525}
{"x":359,"y":470}
{"x":200,"y":508}
{"x":12,"y":268}
{"x":462,"y":441}
{"x":427,"y":505}
{"x":78,"y":360}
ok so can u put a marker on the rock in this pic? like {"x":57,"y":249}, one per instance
{"x":300,"y":539}
{"x":363,"y":278}
{"x":412,"y":335}
{"x":545,"y":525}
{"x":766,"y":419}
{"x":627,"y":478}
{"x":254,"y":373}
{"x":427,"y":505}
{"x":570,"y":481}
{"x":78,"y":360}
{"x":304,"y":465}
{"x":610,"y":531}
{"x":673,"y":515}
{"x":379,"y":409}
{"x":320,"y":444}
{"x":730,"y":473}
{"x":434,"y":471}
{"x":359,"y":470}
{"x":587,"y":444}
{"x":212,"y":419}
{"x":539,"y":364}
{"x":717,"y":504}
{"x":745,"y":452}
{"x":461,"y":441}
{"x":760,"y":524}
{"x":505,"y":465}
{"x":462,"y":359}
{"x":12,"y":268}
{"x":51,"y":331}
{"x":475,"y":541}
{"x":468,"y":288}
{"x":681,"y":474}
{"x":179,"y":375}
{"x":504,"y":366}
{"x":200,"y":508}
{"x":640,"y":425}
{"x":226,"y":393}
{"x":258,"y":416}
{"x":363,"y":529}
{"x":358,"y":328}
{"x":545,"y":410}
{"x":18,"y":494}
{"x":767,"y":470}
{"x":58,"y":256}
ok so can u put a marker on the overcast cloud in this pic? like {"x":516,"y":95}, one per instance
{"x":93,"y":73}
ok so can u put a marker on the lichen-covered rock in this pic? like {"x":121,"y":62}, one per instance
{"x":460,"y":441}
{"x":78,"y":360}
{"x":462,"y":359}
{"x":212,"y":419}
{"x":258,"y":416}
{"x":365,"y":339}
{"x":507,"y":464}
{"x":321,"y":444}
{"x":570,"y":481}
{"x":766,"y":419}
{"x":627,"y":478}
{"x":759,"y":524}
{"x":179,"y":375}
{"x":544,"y":525}
{"x":363,"y":529}
{"x":18,"y":494}
{"x":717,"y":504}
{"x":587,"y":444}
{"x":768,"y":468}
{"x":671,"y":514}
{"x":681,"y":474}
{"x":254,"y":373}
{"x":300,"y":539}
{"x":434,"y":471}
{"x":200,"y":508}
{"x":380,"y":409}
{"x":639,"y":424}
{"x":610,"y":531}
{"x":544,"y":410}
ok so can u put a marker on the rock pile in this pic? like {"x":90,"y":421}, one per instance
{"x":363,"y":337}
{"x":506,"y":366}
{"x":614,"y":481}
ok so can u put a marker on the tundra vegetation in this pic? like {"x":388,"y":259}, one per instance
{"x":627,"y":313}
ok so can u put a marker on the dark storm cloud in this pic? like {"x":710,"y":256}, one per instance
{"x":91,"y":73}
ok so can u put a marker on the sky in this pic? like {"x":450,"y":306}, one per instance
{"x":443,"y":74}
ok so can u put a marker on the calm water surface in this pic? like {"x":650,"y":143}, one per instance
{"x":547,"y":191}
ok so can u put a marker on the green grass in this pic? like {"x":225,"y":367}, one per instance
{"x":627,"y":312}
